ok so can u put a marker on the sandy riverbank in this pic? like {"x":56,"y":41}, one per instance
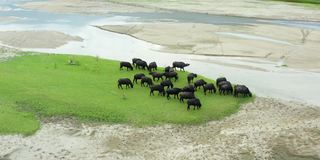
{"x":271,"y":42}
{"x":265,"y":129}
{"x":248,"y":8}
{"x":10,"y":19}
{"x":36,"y":39}
{"x":7,"y":52}
{"x":83,"y":6}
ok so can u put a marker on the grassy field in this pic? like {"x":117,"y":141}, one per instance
{"x":302,"y":1}
{"x":36,"y":86}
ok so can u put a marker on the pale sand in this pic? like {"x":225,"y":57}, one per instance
{"x":10,"y":19}
{"x":265,"y":129}
{"x":275,"y":43}
{"x":83,"y":6}
{"x":7,"y":52}
{"x":247,"y":8}
{"x":36,"y":39}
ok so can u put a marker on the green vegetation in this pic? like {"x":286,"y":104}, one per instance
{"x":14,"y":121}
{"x":306,"y":3}
{"x":45,"y":85}
{"x":302,"y":1}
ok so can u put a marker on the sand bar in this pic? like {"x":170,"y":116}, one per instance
{"x":36,"y":39}
{"x":271,"y":42}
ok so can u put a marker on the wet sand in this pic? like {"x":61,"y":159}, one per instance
{"x":248,"y":8}
{"x":264,"y":129}
{"x":270,"y":42}
{"x":36,"y":39}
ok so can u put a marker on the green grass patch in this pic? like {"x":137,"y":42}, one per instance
{"x":44,"y":85}
{"x":306,"y":3}
{"x":302,"y":1}
{"x":14,"y":121}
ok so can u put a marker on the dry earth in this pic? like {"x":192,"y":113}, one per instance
{"x":264,"y":129}
{"x":269,"y":42}
{"x":83,"y":6}
{"x":10,"y":19}
{"x":36,"y":39}
{"x":247,"y":8}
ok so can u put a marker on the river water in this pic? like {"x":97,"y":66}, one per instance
{"x":268,"y":80}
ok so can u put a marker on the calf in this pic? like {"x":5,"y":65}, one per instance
{"x":158,"y":88}
{"x":195,"y":102}
{"x":125,"y":81}
{"x":209,"y":87}
{"x":126,"y":64}
{"x":173,"y":91}
{"x":186,"y":95}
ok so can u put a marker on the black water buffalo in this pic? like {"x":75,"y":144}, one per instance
{"x":173,"y":91}
{"x":146,"y":80}
{"x":242,"y":89}
{"x":167,"y":83}
{"x":180,"y":65}
{"x":126,"y":64}
{"x":186,"y":95}
{"x":152,"y":66}
{"x":156,"y":75}
{"x":168,"y":69}
{"x":221,"y":79}
{"x":125,"y":81}
{"x":188,"y":88}
{"x":199,"y":83}
{"x":170,"y":75}
{"x":157,"y":87}
{"x":141,"y":64}
{"x":191,"y":76}
{"x":223,"y":83}
{"x":209,"y":87}
{"x":195,"y":102}
{"x":137,"y":77}
{"x":134,"y":60}
{"x":226,"y":89}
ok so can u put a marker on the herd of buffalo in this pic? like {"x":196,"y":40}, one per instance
{"x":166,"y":86}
